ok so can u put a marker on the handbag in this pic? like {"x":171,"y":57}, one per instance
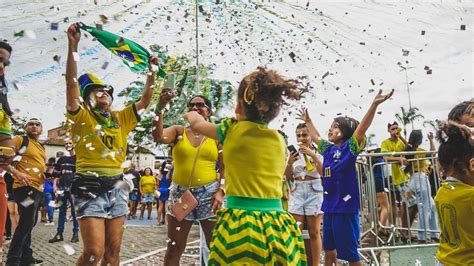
{"x":187,"y":202}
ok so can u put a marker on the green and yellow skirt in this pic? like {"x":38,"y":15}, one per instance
{"x":253,"y":231}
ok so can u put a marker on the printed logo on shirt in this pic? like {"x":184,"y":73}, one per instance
{"x":327,"y":171}
{"x":337,"y":156}
{"x":108,"y":141}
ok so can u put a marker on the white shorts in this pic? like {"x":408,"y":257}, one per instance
{"x":306,"y":198}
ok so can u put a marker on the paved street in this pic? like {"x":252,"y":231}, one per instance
{"x":141,"y":237}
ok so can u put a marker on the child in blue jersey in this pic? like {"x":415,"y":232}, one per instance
{"x":346,"y":139}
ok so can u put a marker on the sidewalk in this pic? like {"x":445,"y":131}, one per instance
{"x":140,"y":237}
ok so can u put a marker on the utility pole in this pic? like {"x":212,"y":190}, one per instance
{"x":408,"y":89}
{"x":197,"y":47}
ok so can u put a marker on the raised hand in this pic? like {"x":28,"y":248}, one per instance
{"x":154,"y":61}
{"x":166,"y":96}
{"x":73,"y":34}
{"x":380,"y":98}
{"x":303,"y":115}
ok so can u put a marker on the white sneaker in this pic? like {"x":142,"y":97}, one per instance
{"x":49,"y":223}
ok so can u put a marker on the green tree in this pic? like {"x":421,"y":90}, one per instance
{"x":406,"y":117}
{"x":220,"y":92}
{"x":18,"y":125}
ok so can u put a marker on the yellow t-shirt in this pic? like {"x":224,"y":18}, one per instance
{"x":398,"y":175}
{"x":455,"y":208}
{"x":420,"y":165}
{"x":254,"y":159}
{"x":5,"y":126}
{"x":184,"y":154}
{"x":32,"y":163}
{"x":100,"y":149}
{"x":147,"y":184}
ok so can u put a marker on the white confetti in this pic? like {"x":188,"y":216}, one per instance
{"x":126,"y":164}
{"x":178,"y":228}
{"x":76,"y":56}
{"x":347,"y":197}
{"x":27,"y":202}
{"x":173,"y":243}
{"x":140,"y":129}
{"x":92,"y":258}
{"x":69,"y":249}
{"x":36,"y":170}
{"x":30,"y":34}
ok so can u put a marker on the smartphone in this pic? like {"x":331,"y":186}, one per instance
{"x":170,"y":81}
{"x":292,"y":149}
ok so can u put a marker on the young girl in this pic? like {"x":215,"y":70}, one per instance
{"x":305,"y":168}
{"x":341,"y":192}
{"x":254,"y":229}
{"x":455,"y":198}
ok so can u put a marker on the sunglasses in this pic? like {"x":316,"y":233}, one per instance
{"x":301,"y":135}
{"x":198,"y":105}
{"x":5,"y":61}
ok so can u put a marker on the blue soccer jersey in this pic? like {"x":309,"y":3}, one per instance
{"x":341,"y":190}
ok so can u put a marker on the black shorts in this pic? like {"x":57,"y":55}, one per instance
{"x":379,"y":186}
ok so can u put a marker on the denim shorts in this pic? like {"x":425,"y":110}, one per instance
{"x":306,"y":197}
{"x":148,"y":198}
{"x":109,"y":205}
{"x":203,"y":194}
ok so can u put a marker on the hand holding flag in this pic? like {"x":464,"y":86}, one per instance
{"x":132,"y":54}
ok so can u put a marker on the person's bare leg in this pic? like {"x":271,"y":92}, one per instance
{"x":93,"y":238}
{"x":207,"y":226}
{"x":356,"y":263}
{"x":383,"y":202}
{"x":149,"y":207}
{"x":142,"y":209}
{"x":113,"y":239}
{"x":330,"y":257}
{"x":314,"y":230}
{"x":177,"y":237}
{"x":14,"y":215}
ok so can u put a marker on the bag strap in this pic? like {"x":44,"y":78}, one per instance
{"x":195,"y":161}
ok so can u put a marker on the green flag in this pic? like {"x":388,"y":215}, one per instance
{"x":132,"y":54}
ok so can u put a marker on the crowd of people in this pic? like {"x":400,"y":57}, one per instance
{"x":250,"y":192}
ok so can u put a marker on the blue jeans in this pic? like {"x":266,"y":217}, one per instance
{"x":420,"y":187}
{"x":64,"y":200}
{"x":47,"y":198}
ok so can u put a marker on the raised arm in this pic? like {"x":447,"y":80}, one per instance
{"x":167,"y":135}
{"x":313,"y":132}
{"x":369,"y":116}
{"x":72,"y":87}
{"x":201,"y":126}
{"x":148,"y":89}
{"x":430,"y":139}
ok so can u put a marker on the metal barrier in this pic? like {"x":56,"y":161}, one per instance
{"x":398,"y":226}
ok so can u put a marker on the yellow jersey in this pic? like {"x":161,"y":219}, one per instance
{"x":184,"y":154}
{"x":101,"y":150}
{"x":420,"y":166}
{"x":398,"y":175}
{"x":5,"y":126}
{"x":32,"y":162}
{"x":254,"y":159}
{"x":455,"y":208}
{"x":147,"y":184}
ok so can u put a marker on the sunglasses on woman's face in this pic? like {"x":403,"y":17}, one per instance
{"x":198,"y":105}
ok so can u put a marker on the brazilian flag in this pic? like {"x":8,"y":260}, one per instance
{"x":132,"y":54}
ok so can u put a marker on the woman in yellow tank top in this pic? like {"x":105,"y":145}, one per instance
{"x":254,"y":229}
{"x":203,"y":183}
